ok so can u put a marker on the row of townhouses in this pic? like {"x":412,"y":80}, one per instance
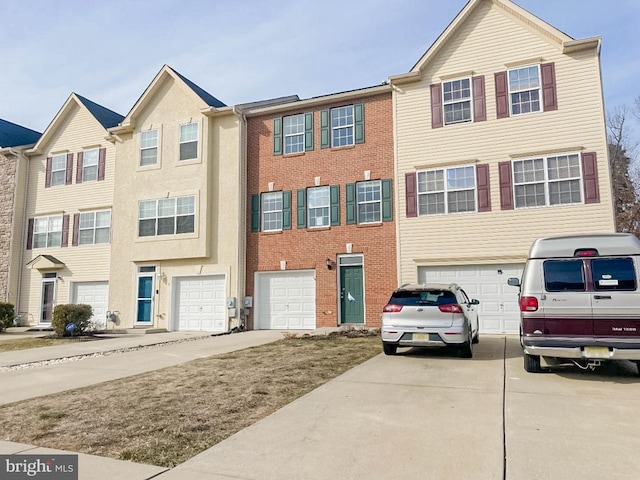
{"x":187,"y":214}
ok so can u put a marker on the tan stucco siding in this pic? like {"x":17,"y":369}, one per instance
{"x":487,"y":43}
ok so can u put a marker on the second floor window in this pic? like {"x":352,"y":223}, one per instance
{"x":369,"y":197}
{"x":47,"y":231}
{"x":294,"y":132}
{"x":342,"y":126}
{"x":94,"y":227}
{"x":457,"y":101}
{"x":450,"y":190}
{"x":543,"y":181}
{"x":90,"y":165}
{"x":318,"y":201}
{"x":58,"y":169}
{"x":271,"y":211}
{"x":167,"y":216}
{"x":524,"y":89}
{"x":148,"y":148}
{"x":189,"y":141}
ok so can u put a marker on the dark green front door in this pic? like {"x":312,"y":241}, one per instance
{"x":351,"y":294}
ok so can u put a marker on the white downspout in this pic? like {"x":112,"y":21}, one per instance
{"x":242,"y":229}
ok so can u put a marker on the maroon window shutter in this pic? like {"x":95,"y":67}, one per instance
{"x":549,"y":96}
{"x":102,"y":157}
{"x":47,"y":175}
{"x":479,"y":102}
{"x":482,"y":178}
{"x":79,"y":165}
{"x":76,"y":229}
{"x":590,"y":178}
{"x":506,"y":187}
{"x":502,"y":95}
{"x":30,"y":234}
{"x":436,"y":105}
{"x":69,"y":171}
{"x":411,"y":195}
{"x":65,"y":230}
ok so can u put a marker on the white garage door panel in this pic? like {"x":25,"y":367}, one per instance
{"x":201,"y":303}
{"x":286,"y":300}
{"x":95,"y":294}
{"x":498,"y":311}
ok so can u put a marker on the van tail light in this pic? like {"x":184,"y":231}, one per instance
{"x":391,"y":308}
{"x":528,"y":304}
{"x":451,"y":308}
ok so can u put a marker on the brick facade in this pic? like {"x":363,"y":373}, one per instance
{"x":305,"y":248}
{"x":7,"y":198}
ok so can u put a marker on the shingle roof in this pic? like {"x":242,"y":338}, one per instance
{"x":106,"y":117}
{"x":12,"y":135}
{"x":206,"y":96}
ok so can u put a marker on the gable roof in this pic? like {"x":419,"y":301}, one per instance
{"x":105,"y":117}
{"x":547,"y":31}
{"x":13,"y":135}
{"x":209,"y":100}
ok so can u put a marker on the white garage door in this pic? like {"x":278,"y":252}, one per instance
{"x":498,"y":311}
{"x":95,"y":294}
{"x":200,"y":303}
{"x":286,"y":300}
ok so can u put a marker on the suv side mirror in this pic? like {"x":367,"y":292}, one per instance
{"x":514,"y":282}
{"x":475,"y":301}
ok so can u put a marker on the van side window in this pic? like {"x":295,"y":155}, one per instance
{"x":563,"y":276}
{"x":613,"y":274}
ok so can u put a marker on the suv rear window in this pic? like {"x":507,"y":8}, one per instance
{"x":613,"y":274}
{"x":423,"y":297}
{"x":563,"y":276}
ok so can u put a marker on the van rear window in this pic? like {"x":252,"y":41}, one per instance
{"x":563,"y":276}
{"x":423,"y":297}
{"x":613,"y":274}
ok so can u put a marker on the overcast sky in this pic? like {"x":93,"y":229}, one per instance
{"x":248,"y":50}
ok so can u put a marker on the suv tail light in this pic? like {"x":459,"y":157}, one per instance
{"x":528,"y":304}
{"x":451,"y":308}
{"x":391,"y":308}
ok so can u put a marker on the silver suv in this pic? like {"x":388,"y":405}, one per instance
{"x":434,"y":315}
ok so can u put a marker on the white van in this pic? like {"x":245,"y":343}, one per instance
{"x":580,"y":301}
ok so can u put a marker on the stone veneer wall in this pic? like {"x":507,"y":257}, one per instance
{"x":7,"y":198}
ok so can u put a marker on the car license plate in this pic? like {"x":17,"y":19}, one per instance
{"x":596,"y":352}
{"x":421,"y":336}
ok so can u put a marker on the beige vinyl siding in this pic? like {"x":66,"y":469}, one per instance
{"x":484,"y":44}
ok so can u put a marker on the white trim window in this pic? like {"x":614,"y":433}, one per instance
{"x":90,"y":165}
{"x":342,"y":126}
{"x":456,"y":96}
{"x":447,"y":190}
{"x":319,"y":205}
{"x":166,"y":216}
{"x":525,"y":89}
{"x":369,"y":199}
{"x":271,"y":211}
{"x":58,"y":169}
{"x":148,"y":148}
{"x":94,"y":227}
{"x":293,"y":129}
{"x":189,"y":141}
{"x":555,"y":180}
{"x":47,"y":231}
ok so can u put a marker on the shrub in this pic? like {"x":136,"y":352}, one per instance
{"x":65,"y":315}
{"x":7,"y":313}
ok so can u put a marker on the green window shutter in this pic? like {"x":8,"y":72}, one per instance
{"x":358,"y":113}
{"x":308,"y":131}
{"x":302,"y":208}
{"x":351,"y":203}
{"x":335,"y":204}
{"x":255,"y":212}
{"x":325,"y":140}
{"x":286,"y":210}
{"x":277,"y":136}
{"x":387,"y":205}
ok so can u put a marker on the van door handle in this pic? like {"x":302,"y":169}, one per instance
{"x":602,"y":297}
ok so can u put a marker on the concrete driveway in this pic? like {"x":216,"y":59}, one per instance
{"x":428,"y":414}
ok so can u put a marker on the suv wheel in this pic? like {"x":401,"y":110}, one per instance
{"x":466,"y":350}
{"x":389,"y":348}
{"x":532,"y":363}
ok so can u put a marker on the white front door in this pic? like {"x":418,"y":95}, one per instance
{"x":200,"y":303}
{"x":95,"y":294}
{"x":499,"y":311}
{"x":286,"y":300}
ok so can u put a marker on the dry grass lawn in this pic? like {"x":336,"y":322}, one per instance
{"x":11,"y":344}
{"x":166,"y":417}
